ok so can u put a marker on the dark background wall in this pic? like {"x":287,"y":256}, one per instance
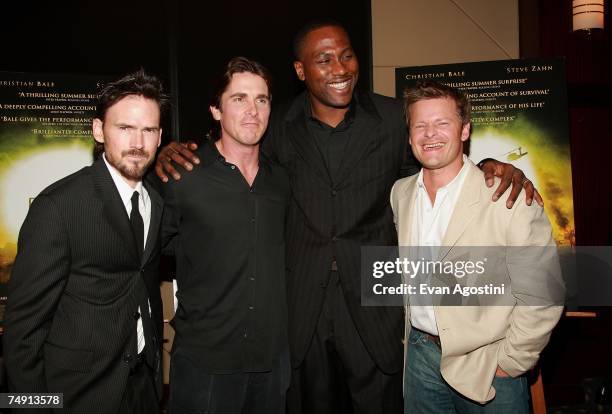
{"x":579,"y":351}
{"x":211,"y":35}
{"x":183,"y":42}
{"x":103,"y":37}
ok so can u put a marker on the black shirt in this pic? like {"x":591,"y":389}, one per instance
{"x":332,"y":141}
{"x":228,"y":240}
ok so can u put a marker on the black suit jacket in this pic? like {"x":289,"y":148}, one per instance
{"x":327,"y":220}
{"x":70,"y":322}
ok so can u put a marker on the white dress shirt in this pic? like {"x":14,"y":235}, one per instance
{"x":144,"y":206}
{"x":429,"y":224}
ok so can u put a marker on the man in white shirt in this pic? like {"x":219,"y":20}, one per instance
{"x":83,"y":316}
{"x":468,"y":359}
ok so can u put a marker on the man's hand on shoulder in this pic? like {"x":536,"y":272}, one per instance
{"x":179,"y":153}
{"x":509,"y":174}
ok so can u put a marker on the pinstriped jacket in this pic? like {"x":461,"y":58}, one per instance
{"x":70,"y":318}
{"x":328,"y":221}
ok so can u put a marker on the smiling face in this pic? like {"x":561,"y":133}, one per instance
{"x":244,"y":110}
{"x":329,"y":67}
{"x":131,"y":134}
{"x":437,"y":135}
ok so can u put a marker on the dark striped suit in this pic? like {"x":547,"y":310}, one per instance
{"x":70,"y":318}
{"x":328,"y":221}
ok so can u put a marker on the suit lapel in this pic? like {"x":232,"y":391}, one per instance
{"x":305,"y":146}
{"x":113,"y":209}
{"x":156,"y":215}
{"x":405,"y":214}
{"x":466,"y":210}
{"x":296,"y":130}
{"x":407,"y":206}
{"x":362,"y":132}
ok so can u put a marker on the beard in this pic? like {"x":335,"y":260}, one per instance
{"x":130,"y":169}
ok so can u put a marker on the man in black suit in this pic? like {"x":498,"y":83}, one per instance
{"x":83,"y":316}
{"x":343,"y":149}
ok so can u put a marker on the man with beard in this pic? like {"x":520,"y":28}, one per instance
{"x":343,"y":149}
{"x":83,"y":316}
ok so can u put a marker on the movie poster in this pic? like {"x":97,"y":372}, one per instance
{"x":45,"y":134}
{"x":519,"y":116}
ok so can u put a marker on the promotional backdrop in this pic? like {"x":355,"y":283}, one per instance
{"x":45,"y":134}
{"x":519,"y":116}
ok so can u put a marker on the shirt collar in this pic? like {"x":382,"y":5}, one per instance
{"x":362,"y":102}
{"x":455,"y":182}
{"x":125,"y":191}
{"x":209,"y":154}
{"x":348,"y":119}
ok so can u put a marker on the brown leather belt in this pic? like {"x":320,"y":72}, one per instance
{"x":433,"y":338}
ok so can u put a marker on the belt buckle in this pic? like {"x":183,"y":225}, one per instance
{"x":432,"y":338}
{"x":435,"y":340}
{"x":333,"y":266}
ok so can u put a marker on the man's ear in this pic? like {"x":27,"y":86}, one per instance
{"x":465,"y":131}
{"x":299,"y":70}
{"x":97,"y":130}
{"x":159,"y":138}
{"x":216,"y":113}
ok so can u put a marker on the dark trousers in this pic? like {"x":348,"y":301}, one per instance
{"x":139,"y":396}
{"x":194,"y":391}
{"x":338,"y":375}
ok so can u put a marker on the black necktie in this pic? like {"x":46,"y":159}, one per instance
{"x":143,"y":301}
{"x":137,"y":223}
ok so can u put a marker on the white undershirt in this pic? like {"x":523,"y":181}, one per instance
{"x":144,"y":207}
{"x":429,"y":224}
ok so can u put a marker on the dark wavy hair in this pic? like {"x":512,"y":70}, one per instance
{"x":137,"y":83}
{"x":238,"y":64}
